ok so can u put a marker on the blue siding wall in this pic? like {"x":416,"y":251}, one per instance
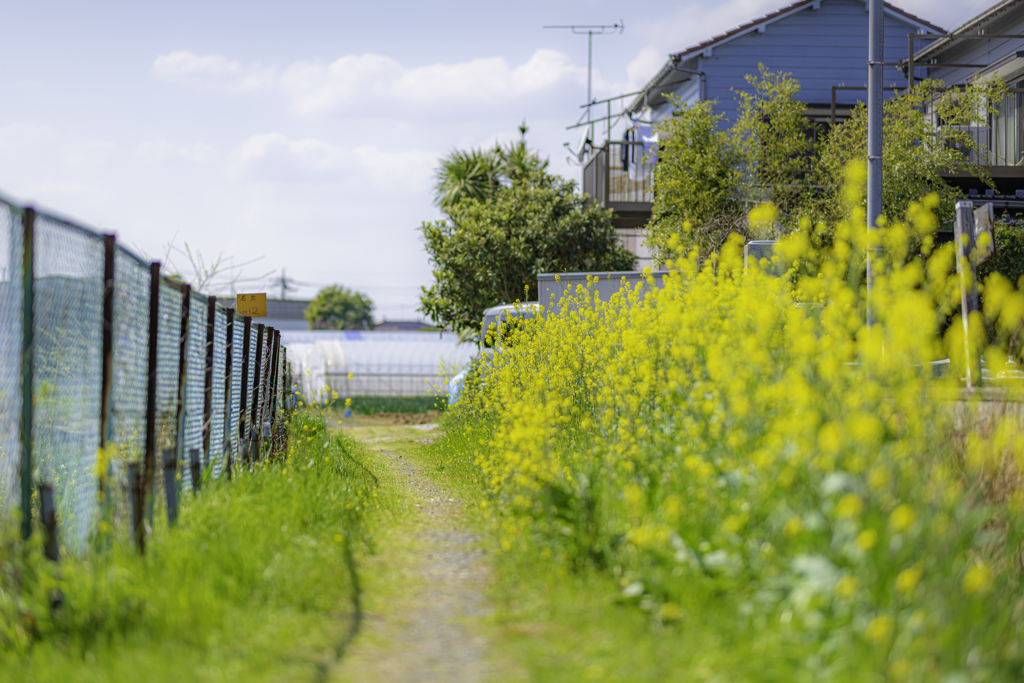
{"x":821,"y":48}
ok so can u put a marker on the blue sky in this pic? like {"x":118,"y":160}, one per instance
{"x":305,"y":134}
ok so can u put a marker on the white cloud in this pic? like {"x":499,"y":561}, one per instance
{"x":160,"y":150}
{"x":356,"y":83}
{"x":210,"y":72}
{"x":276,"y":157}
{"x":644,"y":67}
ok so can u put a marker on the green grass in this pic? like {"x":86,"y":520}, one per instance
{"x":371,"y":405}
{"x":257,"y":581}
{"x":553,"y":625}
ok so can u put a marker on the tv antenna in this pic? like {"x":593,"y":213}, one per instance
{"x":591,"y":30}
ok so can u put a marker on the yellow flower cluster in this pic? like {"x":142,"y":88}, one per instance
{"x":748,"y":438}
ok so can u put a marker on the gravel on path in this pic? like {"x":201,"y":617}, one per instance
{"x":426,"y":633}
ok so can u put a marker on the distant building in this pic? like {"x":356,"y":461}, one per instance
{"x":282,"y":314}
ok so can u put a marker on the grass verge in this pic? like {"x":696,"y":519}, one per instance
{"x":258,"y":581}
{"x":372,"y":405}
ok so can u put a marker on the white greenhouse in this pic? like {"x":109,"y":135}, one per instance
{"x":356,"y":363}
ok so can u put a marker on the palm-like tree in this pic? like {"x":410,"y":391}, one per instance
{"x":466,"y":175}
{"x":478,"y":173}
{"x":518,"y":163}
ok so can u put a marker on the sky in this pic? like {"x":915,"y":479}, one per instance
{"x":300,"y":138}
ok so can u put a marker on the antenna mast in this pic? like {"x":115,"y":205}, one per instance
{"x":592,"y":30}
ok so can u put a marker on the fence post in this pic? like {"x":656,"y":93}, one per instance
{"x":170,"y":485}
{"x":211,"y":313}
{"x":135,"y":489}
{"x":965,"y":266}
{"x":289,"y":399}
{"x":275,"y":390}
{"x":186,"y":309}
{"x":48,"y":516}
{"x":255,"y":426}
{"x":28,"y":221}
{"x":243,"y":414}
{"x":196,"y":471}
{"x":228,"y":377}
{"x":108,"y":367}
{"x":140,"y":485}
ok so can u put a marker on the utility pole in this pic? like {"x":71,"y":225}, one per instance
{"x":875,"y":59}
{"x":592,"y":30}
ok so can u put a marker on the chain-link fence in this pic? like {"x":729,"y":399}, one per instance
{"x":120,"y":389}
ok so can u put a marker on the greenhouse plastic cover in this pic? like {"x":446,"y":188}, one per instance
{"x":380,"y":363}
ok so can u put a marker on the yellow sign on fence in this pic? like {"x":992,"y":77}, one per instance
{"x":252,"y":305}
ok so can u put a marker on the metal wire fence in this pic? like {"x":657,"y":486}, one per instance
{"x":120,"y":389}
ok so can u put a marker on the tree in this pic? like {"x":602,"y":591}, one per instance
{"x":709,"y":175}
{"x":915,"y":150}
{"x":466,"y":175}
{"x":478,"y":173}
{"x":697,"y":182}
{"x":339,"y":308}
{"x":486,"y":253}
{"x":771,"y":135}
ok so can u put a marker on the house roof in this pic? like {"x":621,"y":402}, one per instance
{"x":753,"y":25}
{"x":971,"y":26}
{"x":790,"y":9}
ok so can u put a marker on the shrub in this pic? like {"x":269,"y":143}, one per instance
{"x":773,"y":480}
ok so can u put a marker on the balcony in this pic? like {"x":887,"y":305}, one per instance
{"x":1000,"y":148}
{"x":628,"y":193}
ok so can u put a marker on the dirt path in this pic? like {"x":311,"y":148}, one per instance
{"x":424,"y":588}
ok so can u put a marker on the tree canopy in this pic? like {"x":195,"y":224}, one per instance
{"x":711,"y":173}
{"x":478,"y":173}
{"x":339,"y":308}
{"x":489,"y":252}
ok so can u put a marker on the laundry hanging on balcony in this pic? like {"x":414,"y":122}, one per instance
{"x":640,"y":151}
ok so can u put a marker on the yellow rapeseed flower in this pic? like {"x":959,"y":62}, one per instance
{"x":793,"y":526}
{"x":846,"y":586}
{"x":867,"y":539}
{"x":850,"y":505}
{"x":879,"y":629}
{"x":901,"y":518}
{"x":978,"y":579}
{"x":907,"y":580}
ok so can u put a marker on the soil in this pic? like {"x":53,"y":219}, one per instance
{"x":390,"y":419}
{"x":423,"y":623}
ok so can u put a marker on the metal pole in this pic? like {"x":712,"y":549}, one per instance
{"x":274,"y":387}
{"x":186,"y":315}
{"x":875,"y":57}
{"x":910,"y":62}
{"x":255,"y":426}
{"x":211,"y":318}
{"x":106,"y":408}
{"x":590,"y":53}
{"x":28,"y":222}
{"x":146,"y":481}
{"x":228,"y":378}
{"x":243,"y":442}
{"x":48,"y":516}
{"x":965,"y":266}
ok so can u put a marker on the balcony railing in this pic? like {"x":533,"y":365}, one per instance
{"x":998,"y":142}
{"x":614,"y":187}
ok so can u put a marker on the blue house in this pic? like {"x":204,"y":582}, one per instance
{"x":990,"y":44}
{"x":822,"y":43}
